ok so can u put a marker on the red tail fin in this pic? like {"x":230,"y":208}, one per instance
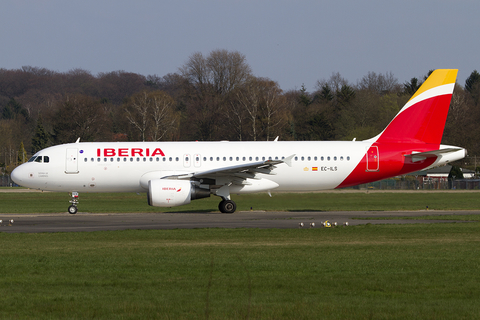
{"x":423,"y":118}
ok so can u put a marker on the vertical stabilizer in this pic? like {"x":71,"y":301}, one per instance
{"x":423,"y":118}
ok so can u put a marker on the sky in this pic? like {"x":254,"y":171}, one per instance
{"x":292,"y":42}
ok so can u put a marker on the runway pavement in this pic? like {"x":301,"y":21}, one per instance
{"x":64,"y":222}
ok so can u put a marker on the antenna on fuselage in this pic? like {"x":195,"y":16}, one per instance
{"x":78,"y":140}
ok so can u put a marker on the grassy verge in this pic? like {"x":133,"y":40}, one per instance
{"x":375,"y":272}
{"x":131,"y":202}
{"x":454,"y":217}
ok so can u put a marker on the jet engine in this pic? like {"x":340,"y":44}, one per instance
{"x":172,"y":193}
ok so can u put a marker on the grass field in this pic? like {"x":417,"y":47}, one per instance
{"x":364,"y":272}
{"x":419,"y":271}
{"x":48,"y":202}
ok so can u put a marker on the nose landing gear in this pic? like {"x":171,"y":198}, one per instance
{"x":73,"y":207}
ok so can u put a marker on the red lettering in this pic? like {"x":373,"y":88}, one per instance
{"x":109,"y":152}
{"x":137,"y":151}
{"x":158,"y":151}
{"x":126,"y":152}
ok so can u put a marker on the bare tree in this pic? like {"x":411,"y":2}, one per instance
{"x":152,"y":114}
{"x":137,"y":110}
{"x":164,"y":117}
{"x":273,"y":106}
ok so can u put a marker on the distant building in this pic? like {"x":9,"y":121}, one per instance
{"x":437,"y":178}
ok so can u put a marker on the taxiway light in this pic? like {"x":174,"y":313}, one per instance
{"x":1,"y":221}
{"x":300,"y":224}
{"x":335,"y":224}
{"x":312,"y":224}
{"x":346,"y":224}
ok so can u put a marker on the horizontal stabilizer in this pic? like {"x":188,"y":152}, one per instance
{"x":419,"y":156}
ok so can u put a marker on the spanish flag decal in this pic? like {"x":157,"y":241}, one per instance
{"x":314,"y":168}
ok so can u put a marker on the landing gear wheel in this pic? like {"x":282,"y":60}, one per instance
{"x":227,"y":206}
{"x":72,"y":209}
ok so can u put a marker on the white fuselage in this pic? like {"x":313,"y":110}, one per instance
{"x":128,"y":166}
{"x":119,"y":166}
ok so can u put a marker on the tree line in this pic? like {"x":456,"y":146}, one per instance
{"x":211,"y":97}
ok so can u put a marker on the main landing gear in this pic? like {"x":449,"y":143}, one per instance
{"x":227,"y":206}
{"x":73,"y":207}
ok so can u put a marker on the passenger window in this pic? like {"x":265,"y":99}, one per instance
{"x":85,"y":159}
{"x":111,"y":159}
{"x":348,"y":158}
{"x":335,"y":158}
{"x":308,"y":158}
{"x":315,"y":158}
{"x":341,"y":158}
{"x":250,"y":158}
{"x":303,"y":158}
{"x":328,"y":158}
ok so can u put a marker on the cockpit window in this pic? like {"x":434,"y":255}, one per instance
{"x":40,"y":159}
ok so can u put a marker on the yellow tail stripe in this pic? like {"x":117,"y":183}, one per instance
{"x":437,"y":78}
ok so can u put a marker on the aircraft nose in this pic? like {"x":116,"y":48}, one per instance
{"x":16,"y":175}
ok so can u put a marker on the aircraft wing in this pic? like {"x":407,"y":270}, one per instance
{"x":242,"y":171}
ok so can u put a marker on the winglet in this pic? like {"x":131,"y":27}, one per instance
{"x":288,"y":160}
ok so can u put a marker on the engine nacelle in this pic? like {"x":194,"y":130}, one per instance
{"x":173,"y":193}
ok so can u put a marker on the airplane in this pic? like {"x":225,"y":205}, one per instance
{"x":174,"y":173}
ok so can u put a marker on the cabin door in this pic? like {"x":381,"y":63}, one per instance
{"x":71,"y":164}
{"x":373,"y":163}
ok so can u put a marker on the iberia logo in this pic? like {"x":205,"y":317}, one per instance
{"x":179,"y":189}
